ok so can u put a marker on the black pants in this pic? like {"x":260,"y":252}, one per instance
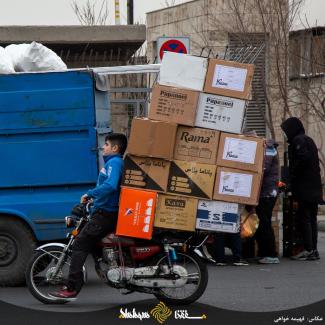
{"x":101,"y":224}
{"x":264,"y":234}
{"x":307,"y":219}
{"x":221,"y":240}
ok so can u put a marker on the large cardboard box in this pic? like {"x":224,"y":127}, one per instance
{"x":191,"y":179}
{"x":152,"y":138}
{"x":218,"y":216}
{"x":173,"y":104}
{"x":176,"y":212}
{"x":242,"y":152}
{"x":229,"y":78}
{"x":136,"y":213}
{"x":183,"y":70}
{"x":196,"y":144}
{"x":238,"y":186}
{"x":220,"y":113}
{"x":145,"y":173}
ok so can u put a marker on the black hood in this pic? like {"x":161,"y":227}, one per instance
{"x":292,"y":127}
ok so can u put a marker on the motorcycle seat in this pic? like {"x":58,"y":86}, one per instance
{"x":113,"y":239}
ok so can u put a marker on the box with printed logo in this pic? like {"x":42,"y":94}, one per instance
{"x":220,"y":113}
{"x":150,"y":138}
{"x":191,"y":179}
{"x":241,"y":152}
{"x":173,"y":104}
{"x":145,"y":173}
{"x":196,"y":144}
{"x":136,"y":213}
{"x":229,"y":78}
{"x":237,"y":186}
{"x":176,"y":212}
{"x":218,"y":216}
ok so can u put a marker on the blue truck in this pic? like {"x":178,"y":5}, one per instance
{"x":51,"y":126}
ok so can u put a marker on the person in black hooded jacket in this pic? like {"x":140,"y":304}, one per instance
{"x":305,"y":183}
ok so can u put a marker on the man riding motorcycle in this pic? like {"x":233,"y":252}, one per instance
{"x":104,"y":215}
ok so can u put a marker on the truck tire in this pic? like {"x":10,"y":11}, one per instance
{"x":17,"y":244}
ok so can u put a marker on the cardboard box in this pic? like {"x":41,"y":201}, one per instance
{"x":136,"y":213}
{"x":229,"y":78}
{"x":152,"y":138}
{"x":220,"y":113}
{"x":218,"y":216}
{"x":191,"y":179}
{"x":242,"y":152}
{"x":145,"y":173}
{"x":176,"y":212}
{"x":183,"y":70}
{"x":238,"y":186}
{"x":173,"y":104}
{"x":196,"y":144}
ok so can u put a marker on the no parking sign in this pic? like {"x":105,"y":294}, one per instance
{"x":172,"y":44}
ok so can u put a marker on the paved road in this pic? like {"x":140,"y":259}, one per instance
{"x":255,"y":287}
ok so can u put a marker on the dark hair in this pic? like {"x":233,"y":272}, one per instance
{"x":118,"y":139}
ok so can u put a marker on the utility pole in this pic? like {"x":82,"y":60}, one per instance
{"x":130,"y":12}
{"x":117,"y":13}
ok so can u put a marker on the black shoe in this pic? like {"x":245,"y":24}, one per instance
{"x":302,"y":256}
{"x":313,"y":256}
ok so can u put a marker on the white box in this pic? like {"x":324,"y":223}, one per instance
{"x":183,"y":70}
{"x":218,"y":216}
{"x":220,"y":113}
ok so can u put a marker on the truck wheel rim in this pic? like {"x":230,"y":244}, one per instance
{"x":8,"y":250}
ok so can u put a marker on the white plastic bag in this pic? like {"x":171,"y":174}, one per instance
{"x":6,"y":65}
{"x":16,"y":52}
{"x":34,"y":57}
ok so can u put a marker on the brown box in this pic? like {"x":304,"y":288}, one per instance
{"x":152,"y":138}
{"x":241,"y":152}
{"x":145,"y":173}
{"x":176,"y":212}
{"x":173,"y":104}
{"x":191,"y":179}
{"x":238,"y":186}
{"x":196,"y":144}
{"x":229,"y":78}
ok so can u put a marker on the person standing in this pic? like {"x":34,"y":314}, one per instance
{"x":305,"y":184}
{"x":265,"y":234}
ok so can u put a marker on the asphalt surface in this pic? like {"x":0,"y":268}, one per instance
{"x":287,"y":285}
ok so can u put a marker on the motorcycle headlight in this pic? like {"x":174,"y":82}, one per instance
{"x":69,"y":222}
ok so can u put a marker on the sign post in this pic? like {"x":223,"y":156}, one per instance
{"x":172,"y":44}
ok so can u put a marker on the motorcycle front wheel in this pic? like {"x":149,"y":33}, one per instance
{"x":40,"y":277}
{"x":197,"y":280}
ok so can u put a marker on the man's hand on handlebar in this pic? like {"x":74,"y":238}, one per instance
{"x":84,"y":199}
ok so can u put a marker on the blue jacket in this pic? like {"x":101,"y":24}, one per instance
{"x":107,"y":192}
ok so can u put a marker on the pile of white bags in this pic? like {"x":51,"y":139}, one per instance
{"x":6,"y":65}
{"x":31,"y":57}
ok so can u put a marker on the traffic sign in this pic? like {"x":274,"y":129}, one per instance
{"x":172,"y":44}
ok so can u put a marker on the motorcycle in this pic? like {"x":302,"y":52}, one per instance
{"x":168,"y":267}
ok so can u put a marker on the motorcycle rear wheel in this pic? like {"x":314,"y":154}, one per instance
{"x":39,"y":272}
{"x":196,"y":283}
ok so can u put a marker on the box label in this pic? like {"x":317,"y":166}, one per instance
{"x":227,"y":77}
{"x":235,"y":184}
{"x":239,"y":150}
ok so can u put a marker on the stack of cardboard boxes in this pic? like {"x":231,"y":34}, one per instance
{"x":189,"y":154}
